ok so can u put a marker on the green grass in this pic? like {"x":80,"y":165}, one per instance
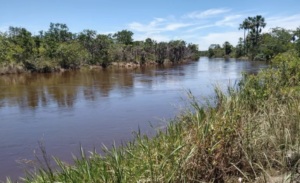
{"x":250,"y":132}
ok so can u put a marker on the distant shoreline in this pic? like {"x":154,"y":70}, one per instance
{"x":20,"y":69}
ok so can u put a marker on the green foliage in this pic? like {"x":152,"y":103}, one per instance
{"x":239,"y":49}
{"x":250,"y":132}
{"x":71,"y":55}
{"x":124,"y":37}
{"x":204,"y":53}
{"x":227,"y":48}
{"x":275,"y":42}
{"x":256,"y":23}
{"x":161,"y":51}
{"x":56,"y":34}
{"x":176,"y":50}
{"x":296,"y":39}
{"x":6,"y":51}
{"x":59,"y":48}
{"x":215,"y":50}
{"x":287,"y":69}
{"x":246,"y":25}
{"x":257,"y":45}
{"x":252,"y":43}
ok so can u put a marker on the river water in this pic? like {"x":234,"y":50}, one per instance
{"x":94,"y":107}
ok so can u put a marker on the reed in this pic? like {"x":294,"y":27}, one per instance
{"x":249,"y":133}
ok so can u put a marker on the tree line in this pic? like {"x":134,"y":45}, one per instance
{"x":257,"y":45}
{"x":58,"y":47}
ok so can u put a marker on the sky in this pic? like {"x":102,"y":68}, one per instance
{"x":195,"y":21}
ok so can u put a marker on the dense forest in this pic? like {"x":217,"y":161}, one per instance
{"x":58,"y":48}
{"x":257,"y":45}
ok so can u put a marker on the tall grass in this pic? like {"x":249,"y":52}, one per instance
{"x":251,"y":134}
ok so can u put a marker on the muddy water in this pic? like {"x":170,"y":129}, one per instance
{"x":95,"y":107}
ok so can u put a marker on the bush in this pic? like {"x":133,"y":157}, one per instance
{"x":252,"y":133}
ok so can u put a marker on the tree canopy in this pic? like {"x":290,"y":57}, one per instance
{"x":257,"y":45}
{"x":58,"y":47}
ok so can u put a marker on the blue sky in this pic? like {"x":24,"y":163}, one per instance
{"x":200,"y":22}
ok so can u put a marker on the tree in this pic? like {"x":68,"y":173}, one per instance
{"x":103,"y":45}
{"x":59,"y":48}
{"x":227,"y":48}
{"x":296,"y":39}
{"x":210,"y":52}
{"x":239,"y":48}
{"x":56,"y":34}
{"x":192,"y":51}
{"x":161,"y":51}
{"x":71,"y":55}
{"x":213,"y":50}
{"x":59,"y":32}
{"x":97,"y":45}
{"x":87,"y":40}
{"x":124,"y":37}
{"x":23,"y":42}
{"x":281,"y":41}
{"x":246,"y":26}
{"x":257,"y":23}
{"x":5,"y":48}
{"x":176,"y":50}
{"x":149,"y":45}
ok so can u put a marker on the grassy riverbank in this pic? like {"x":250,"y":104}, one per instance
{"x":249,"y":132}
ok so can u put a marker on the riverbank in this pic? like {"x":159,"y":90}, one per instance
{"x":249,"y":134}
{"x":228,"y":56}
{"x":20,"y":68}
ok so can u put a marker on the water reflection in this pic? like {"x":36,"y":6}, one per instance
{"x":29,"y":91}
{"x":95,"y":107}
{"x":62,"y":89}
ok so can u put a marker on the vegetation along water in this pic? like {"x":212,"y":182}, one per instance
{"x":57,"y":49}
{"x":247,"y":133}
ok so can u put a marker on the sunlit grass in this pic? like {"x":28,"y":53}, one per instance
{"x":249,"y":134}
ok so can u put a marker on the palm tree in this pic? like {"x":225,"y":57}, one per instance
{"x":242,"y":26}
{"x":251,"y":39}
{"x":257,"y":23}
{"x":246,"y":26}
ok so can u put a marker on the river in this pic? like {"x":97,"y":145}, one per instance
{"x":94,"y":107}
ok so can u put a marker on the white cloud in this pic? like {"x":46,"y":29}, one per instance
{"x":185,"y":37}
{"x":289,"y":22}
{"x":229,"y":21}
{"x":218,"y":38}
{"x":166,"y":29}
{"x":156,"y":37}
{"x":204,"y":42}
{"x":201,"y":27}
{"x":175,"y":26}
{"x":157,"y":25}
{"x":207,"y":13}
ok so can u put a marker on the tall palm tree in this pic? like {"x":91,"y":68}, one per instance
{"x":257,"y":23}
{"x":246,"y":26}
{"x":242,"y":26}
